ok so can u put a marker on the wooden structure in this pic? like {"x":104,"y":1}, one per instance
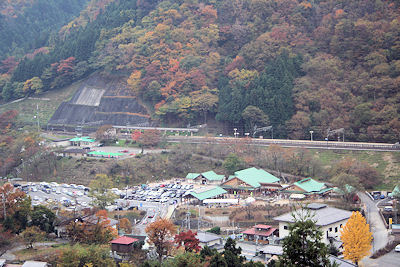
{"x":123,"y":245}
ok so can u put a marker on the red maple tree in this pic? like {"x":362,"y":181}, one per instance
{"x":188,"y":240}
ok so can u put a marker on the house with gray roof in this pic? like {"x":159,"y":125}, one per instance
{"x":340,"y":262}
{"x":35,"y":264}
{"x":209,"y":239}
{"x":330,"y":220}
{"x":251,"y":180}
{"x":209,"y":177}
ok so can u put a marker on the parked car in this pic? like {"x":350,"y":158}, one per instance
{"x":388,"y":208}
{"x":397,"y":248}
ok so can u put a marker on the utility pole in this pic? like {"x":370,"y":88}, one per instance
{"x":37,"y":117}
{"x":198,"y":221}
{"x":4,"y":206}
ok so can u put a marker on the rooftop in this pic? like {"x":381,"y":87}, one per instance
{"x":255,"y":177}
{"x":192,"y":175}
{"x":262,"y":226}
{"x":82,"y":139}
{"x":253,"y":231}
{"x":35,"y":264}
{"x":75,"y":150}
{"x":340,"y":262}
{"x":108,"y":154}
{"x":208,"y":192}
{"x":310,"y":185}
{"x":272,"y":249}
{"x":93,"y":219}
{"x":124,"y":240}
{"x":323,"y":216}
{"x":205,"y":237}
{"x":210,"y":175}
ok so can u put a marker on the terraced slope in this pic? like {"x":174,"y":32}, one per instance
{"x":100,"y":101}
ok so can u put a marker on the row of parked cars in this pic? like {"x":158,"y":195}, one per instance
{"x":161,"y":193}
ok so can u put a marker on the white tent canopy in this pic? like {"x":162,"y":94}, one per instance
{"x":221,"y":201}
{"x":297,"y":196}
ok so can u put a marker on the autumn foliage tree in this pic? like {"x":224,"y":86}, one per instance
{"x":97,"y":230}
{"x":147,"y":138}
{"x":356,"y":238}
{"x":12,"y":198}
{"x":188,"y":240}
{"x":31,"y":235}
{"x":125,"y":225}
{"x":161,"y":233}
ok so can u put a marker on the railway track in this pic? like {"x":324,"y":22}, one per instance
{"x":289,"y":143}
{"x":280,"y":142}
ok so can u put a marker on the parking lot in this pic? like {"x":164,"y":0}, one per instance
{"x":69,"y":196}
{"x":154,"y":200}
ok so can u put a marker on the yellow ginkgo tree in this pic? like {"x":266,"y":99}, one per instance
{"x":356,"y":238}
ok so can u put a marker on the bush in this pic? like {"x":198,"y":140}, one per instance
{"x":215,"y":230}
{"x":389,"y":247}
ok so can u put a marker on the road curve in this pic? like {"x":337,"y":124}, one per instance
{"x":378,"y":229}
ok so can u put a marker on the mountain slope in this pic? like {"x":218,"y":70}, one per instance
{"x":307,"y":65}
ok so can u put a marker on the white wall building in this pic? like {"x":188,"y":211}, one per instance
{"x":328,"y":219}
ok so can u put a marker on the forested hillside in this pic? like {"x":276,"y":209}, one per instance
{"x":296,"y":65}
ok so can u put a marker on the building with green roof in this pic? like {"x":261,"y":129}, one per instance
{"x":251,"y":180}
{"x":209,"y":177}
{"x":203,"y":193}
{"x":308,"y":186}
{"x":82,"y":141}
{"x":396,"y":192}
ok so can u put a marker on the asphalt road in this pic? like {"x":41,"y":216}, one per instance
{"x":379,"y":231}
{"x":392,"y":259}
{"x":380,"y":234}
{"x":156,"y":208}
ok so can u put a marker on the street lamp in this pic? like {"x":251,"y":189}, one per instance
{"x":311,"y":132}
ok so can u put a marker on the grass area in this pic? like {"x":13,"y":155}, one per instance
{"x":47,"y":103}
{"x":38,"y":252}
{"x":386,"y":163}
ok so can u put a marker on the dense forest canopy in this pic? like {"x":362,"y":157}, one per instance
{"x":298,"y":65}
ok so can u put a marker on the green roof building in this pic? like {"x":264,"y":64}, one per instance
{"x":207,"y":193}
{"x":308,"y":186}
{"x":82,"y":141}
{"x":251,"y":179}
{"x":396,"y":192}
{"x":209,"y":177}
